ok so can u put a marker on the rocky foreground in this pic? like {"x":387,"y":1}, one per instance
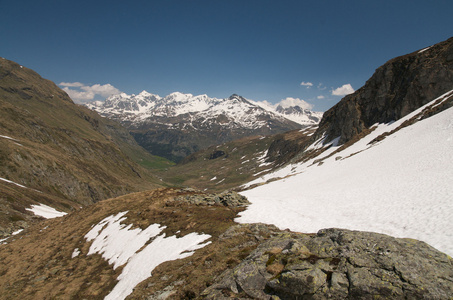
{"x":240,"y":261}
{"x":337,"y":263}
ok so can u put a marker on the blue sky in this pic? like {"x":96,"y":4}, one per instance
{"x":262,"y":50}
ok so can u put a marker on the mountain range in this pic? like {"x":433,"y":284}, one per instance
{"x":179,"y":124}
{"x":357,"y":207}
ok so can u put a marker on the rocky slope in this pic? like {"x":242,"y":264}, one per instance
{"x":180,"y":124}
{"x":338,"y":264}
{"x":397,"y":88}
{"x":75,"y":256}
{"x":66,"y":152}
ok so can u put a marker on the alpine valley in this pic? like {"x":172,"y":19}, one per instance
{"x":179,"y":124}
{"x":263,"y":203}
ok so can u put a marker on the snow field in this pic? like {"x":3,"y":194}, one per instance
{"x":120,"y":245}
{"x":401,"y":186}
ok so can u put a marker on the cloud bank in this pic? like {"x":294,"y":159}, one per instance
{"x":285,"y":103}
{"x":344,"y":90}
{"x":289,"y":101}
{"x":82,"y":93}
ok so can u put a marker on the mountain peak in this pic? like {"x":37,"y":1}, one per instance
{"x":145,"y":94}
{"x":195,"y":121}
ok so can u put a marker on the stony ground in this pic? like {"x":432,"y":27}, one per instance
{"x":248,"y":261}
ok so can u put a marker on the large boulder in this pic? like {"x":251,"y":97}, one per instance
{"x":338,"y":263}
{"x":226,"y":198}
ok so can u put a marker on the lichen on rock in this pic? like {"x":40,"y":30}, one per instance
{"x":338,"y":263}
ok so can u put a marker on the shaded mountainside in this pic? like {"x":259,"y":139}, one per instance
{"x":397,"y":88}
{"x":62,"y":150}
{"x":179,"y":124}
{"x":77,"y":256}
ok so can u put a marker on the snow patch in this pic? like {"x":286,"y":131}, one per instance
{"x":7,"y":137}
{"x":423,"y":50}
{"x":119,"y":245}
{"x":45,"y":211}
{"x":17,"y":232}
{"x":9,"y":181}
{"x":75,"y":253}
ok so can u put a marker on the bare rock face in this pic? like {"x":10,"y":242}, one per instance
{"x":397,"y":88}
{"x":338,"y":264}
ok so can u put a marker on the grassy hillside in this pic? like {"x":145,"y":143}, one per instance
{"x":38,"y":263}
{"x":232,"y":164}
{"x":63,"y":150}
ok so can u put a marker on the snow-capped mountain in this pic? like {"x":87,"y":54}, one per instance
{"x":180,"y":124}
{"x":239,"y":111}
{"x":300,"y":115}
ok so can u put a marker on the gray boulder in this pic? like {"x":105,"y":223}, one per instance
{"x":231,"y":199}
{"x":338,"y":264}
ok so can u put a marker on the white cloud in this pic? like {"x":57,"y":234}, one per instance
{"x":344,"y":90}
{"x":285,"y":103}
{"x":289,"y":101}
{"x":71,"y":84}
{"x":307,"y":84}
{"x":320,"y":97}
{"x":321,"y":87}
{"x":86,"y":93}
{"x":79,"y":96}
{"x":103,"y":90}
{"x":265,"y":103}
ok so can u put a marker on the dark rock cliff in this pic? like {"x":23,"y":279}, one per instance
{"x":400,"y":86}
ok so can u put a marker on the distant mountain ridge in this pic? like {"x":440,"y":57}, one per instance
{"x":179,"y":124}
{"x":138,"y":108}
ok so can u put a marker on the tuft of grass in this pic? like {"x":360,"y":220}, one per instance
{"x":16,"y":218}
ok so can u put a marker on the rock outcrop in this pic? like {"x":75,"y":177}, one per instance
{"x":227,"y":198}
{"x":397,"y":88}
{"x":338,"y":264}
{"x":287,"y":145}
